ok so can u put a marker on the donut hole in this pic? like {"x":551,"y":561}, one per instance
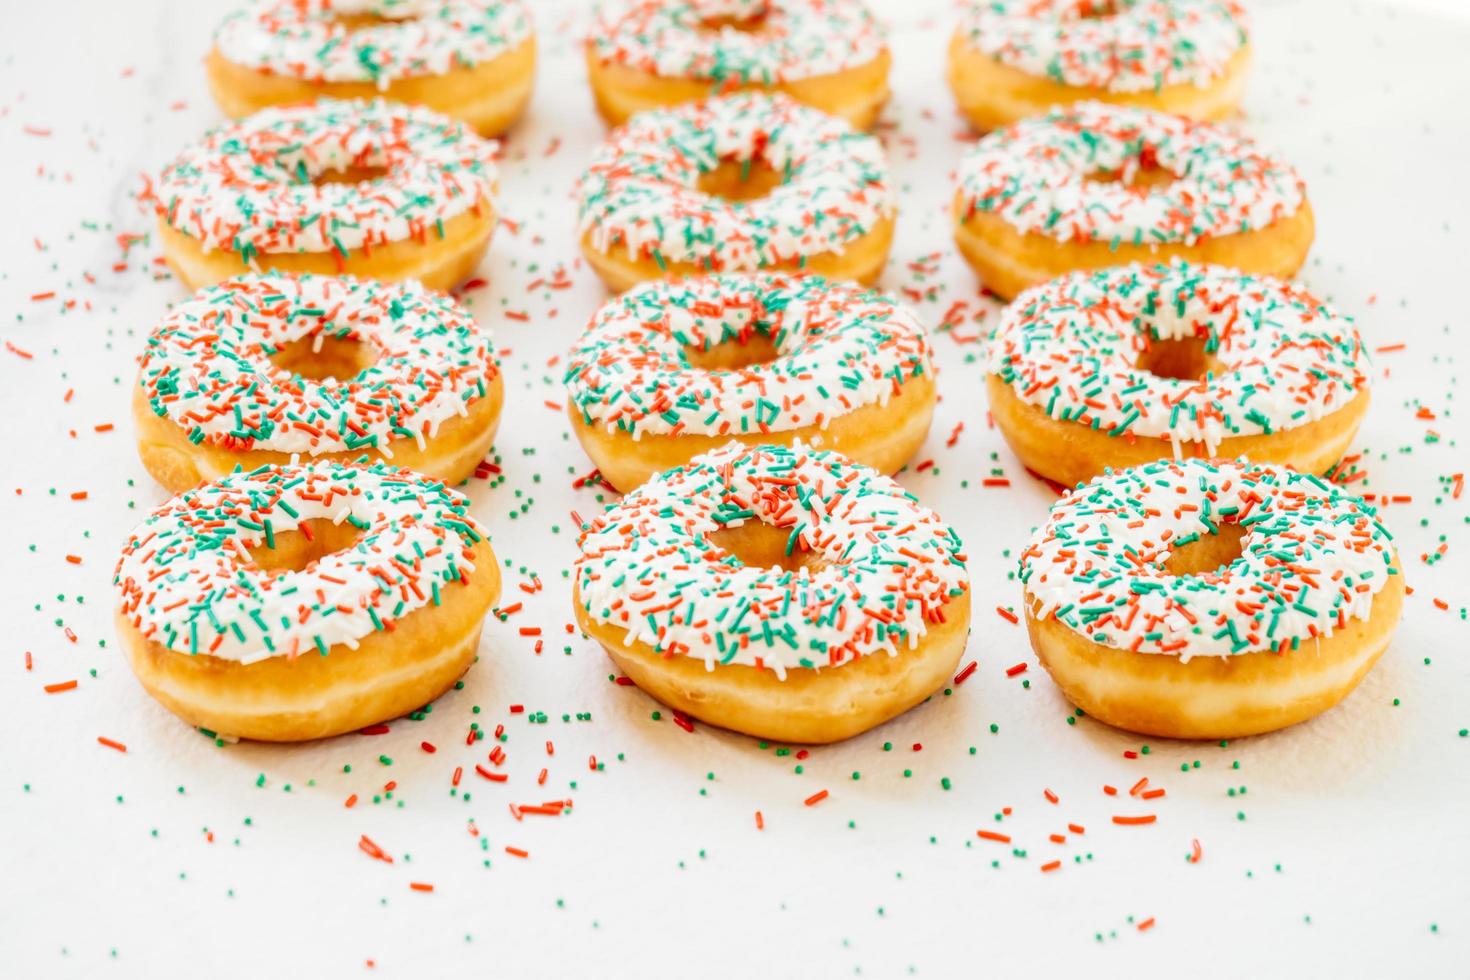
{"x":745,"y":350}
{"x":1140,"y":175}
{"x":298,"y":549}
{"x":351,"y":174}
{"x":1209,"y":553}
{"x":1094,"y":9}
{"x":762,"y":545}
{"x":740,"y":180}
{"x":752,"y":21}
{"x":1180,"y":358}
{"x":325,"y":357}
{"x":362,"y":20}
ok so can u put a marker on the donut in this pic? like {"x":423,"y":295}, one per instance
{"x":1210,"y":598}
{"x":1092,"y":185}
{"x":1011,"y":59}
{"x":740,"y":183}
{"x":371,"y":189}
{"x":669,"y":371}
{"x":778,"y":591}
{"x":474,"y":60}
{"x":297,"y":602}
{"x":265,"y":369}
{"x":1110,"y":369}
{"x":829,"y":54}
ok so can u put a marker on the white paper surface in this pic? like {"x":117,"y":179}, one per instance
{"x":1336,"y":847}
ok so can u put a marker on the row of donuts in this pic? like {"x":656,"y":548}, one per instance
{"x":475,"y":59}
{"x":679,"y":354}
{"x":799,"y":191}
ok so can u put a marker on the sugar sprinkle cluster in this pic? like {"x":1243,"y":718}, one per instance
{"x":1313,"y":557}
{"x":207,"y":367}
{"x":1071,"y":347}
{"x":1114,"y":45}
{"x":1034,"y":175}
{"x":886,"y":566}
{"x":247,"y":186}
{"x":838,"y":348}
{"x":315,"y":40}
{"x":186,"y":578}
{"x":641,"y":192}
{"x":797,"y":39}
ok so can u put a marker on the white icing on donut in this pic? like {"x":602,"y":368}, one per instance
{"x":1114,"y":45}
{"x":207,"y":366}
{"x":187,"y":581}
{"x":1033,"y":175}
{"x":246,"y":187}
{"x":641,"y":191}
{"x":1313,"y":557}
{"x":887,"y":566}
{"x":839,"y":348}
{"x":796,"y":39}
{"x":1070,"y":347}
{"x":307,"y":39}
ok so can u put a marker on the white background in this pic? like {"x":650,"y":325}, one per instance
{"x":179,"y":855}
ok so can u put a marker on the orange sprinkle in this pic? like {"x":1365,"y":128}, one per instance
{"x":992,"y":835}
{"x":1006,"y":614}
{"x":760,"y":821}
{"x":1076,"y":828}
{"x":351,"y":801}
{"x":1050,"y":796}
{"x":104,"y":740}
{"x":1146,"y":924}
{"x":816,"y":798}
{"x":421,"y":886}
{"x":1135,"y":821}
{"x":60,"y":686}
{"x":1051,"y":866}
{"x":517,"y":852}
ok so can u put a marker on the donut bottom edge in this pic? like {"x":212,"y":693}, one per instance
{"x":992,"y":95}
{"x":1212,"y":697}
{"x":861,"y":261}
{"x":1009,"y":262}
{"x":311,"y":696}
{"x":811,"y":706}
{"x":440,"y":263}
{"x":450,"y":456}
{"x":883,"y":437}
{"x":1070,"y":453}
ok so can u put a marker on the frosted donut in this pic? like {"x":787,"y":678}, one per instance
{"x":777,"y":591}
{"x":1092,"y":186}
{"x":299,"y":602}
{"x":1105,"y":370}
{"x":371,"y":189}
{"x":668,"y":371}
{"x":1010,"y":59}
{"x":740,"y":183}
{"x":265,"y":369}
{"x":474,"y":60}
{"x":1210,"y":599}
{"x":829,"y":54}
